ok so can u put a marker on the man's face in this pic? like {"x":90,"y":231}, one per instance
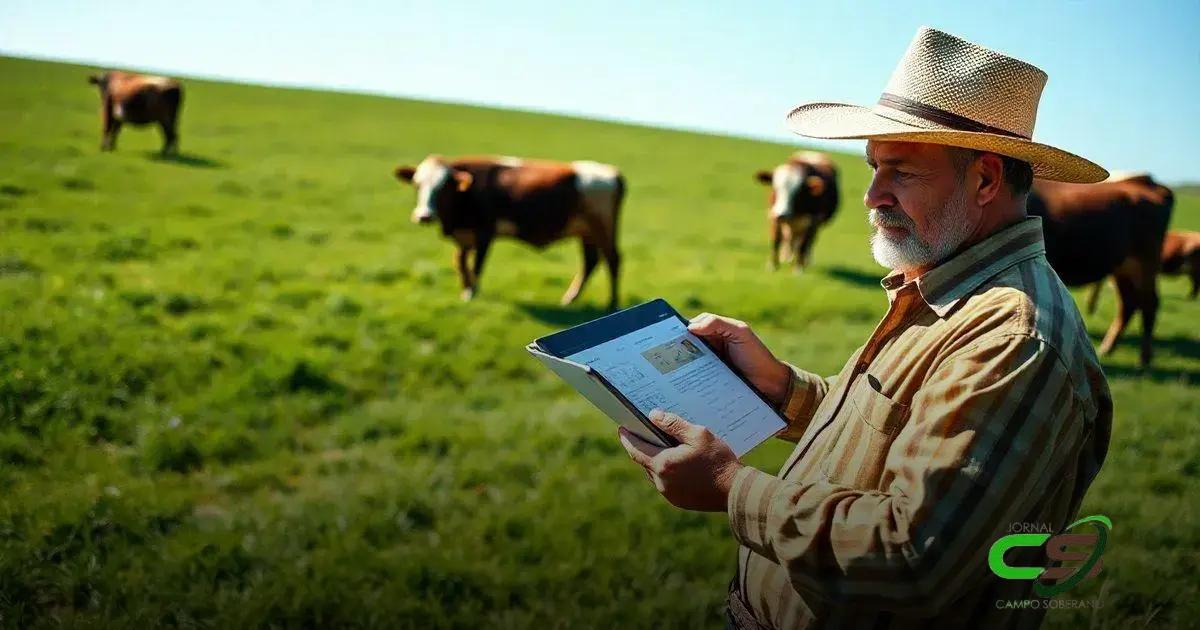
{"x":919,"y":206}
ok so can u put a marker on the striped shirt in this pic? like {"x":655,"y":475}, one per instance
{"x":976,"y":405}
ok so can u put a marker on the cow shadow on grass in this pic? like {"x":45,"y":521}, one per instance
{"x":1156,"y":374}
{"x":185,"y":159}
{"x":563,"y":316}
{"x":854,"y":276}
{"x":1177,"y":345}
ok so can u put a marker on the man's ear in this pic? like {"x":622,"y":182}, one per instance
{"x":94,"y":80}
{"x":991,"y":178}
{"x":463,"y":179}
{"x":764,"y":177}
{"x":816,"y":185}
{"x":405,"y":173}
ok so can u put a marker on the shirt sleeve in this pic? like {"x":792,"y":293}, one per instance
{"x":804,"y":394}
{"x":988,"y":434}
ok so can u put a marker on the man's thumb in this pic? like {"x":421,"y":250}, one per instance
{"x":671,"y":424}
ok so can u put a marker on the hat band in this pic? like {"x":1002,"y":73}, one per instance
{"x":941,"y":116}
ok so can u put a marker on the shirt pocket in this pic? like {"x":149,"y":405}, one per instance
{"x":870,"y":423}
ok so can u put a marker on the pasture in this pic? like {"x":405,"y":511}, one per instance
{"x":238,"y":388}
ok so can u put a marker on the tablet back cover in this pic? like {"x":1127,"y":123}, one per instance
{"x":587,"y":382}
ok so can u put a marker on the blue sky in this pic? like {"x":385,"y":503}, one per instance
{"x":1124,"y":86}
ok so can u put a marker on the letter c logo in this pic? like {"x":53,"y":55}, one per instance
{"x":1000,"y":547}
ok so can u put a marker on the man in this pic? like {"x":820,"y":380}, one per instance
{"x":976,"y":404}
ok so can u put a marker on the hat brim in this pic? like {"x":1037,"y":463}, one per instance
{"x":838,"y":121}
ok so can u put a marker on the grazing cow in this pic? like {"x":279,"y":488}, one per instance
{"x":1112,"y":228}
{"x":804,"y":196}
{"x":138,"y":99}
{"x":1180,"y":256}
{"x":539,"y":202}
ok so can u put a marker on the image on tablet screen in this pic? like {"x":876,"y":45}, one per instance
{"x":669,"y":356}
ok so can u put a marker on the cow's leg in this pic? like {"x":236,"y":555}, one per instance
{"x":612,"y":258}
{"x":1148,"y":303}
{"x":464,"y":271}
{"x":173,"y":100}
{"x":787,"y":236}
{"x":170,"y":137}
{"x":1094,"y":297}
{"x":112,"y":127}
{"x":591,"y":256}
{"x":1127,"y":303}
{"x":106,"y":122}
{"x":797,"y":247}
{"x":481,"y":251}
{"x":806,"y":244}
{"x":1194,"y":267}
{"x":776,"y":231}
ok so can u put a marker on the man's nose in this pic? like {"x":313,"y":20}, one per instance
{"x":878,"y":194}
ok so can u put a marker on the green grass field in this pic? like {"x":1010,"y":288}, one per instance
{"x":239,"y":388}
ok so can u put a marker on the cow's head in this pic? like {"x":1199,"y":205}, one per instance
{"x":435,"y":182}
{"x":790,"y":183}
{"x":99,"y":80}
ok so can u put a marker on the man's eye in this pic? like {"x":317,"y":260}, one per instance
{"x":901,"y":175}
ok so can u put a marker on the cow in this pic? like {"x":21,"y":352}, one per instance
{"x":138,"y":99}
{"x":804,"y":196}
{"x":539,"y":202}
{"x":1115,"y":228}
{"x":1180,"y":256}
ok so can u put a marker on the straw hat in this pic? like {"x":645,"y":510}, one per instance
{"x":949,"y":91}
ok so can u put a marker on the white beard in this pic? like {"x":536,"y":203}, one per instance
{"x":910,"y":252}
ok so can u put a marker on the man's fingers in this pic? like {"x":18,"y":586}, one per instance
{"x":704,"y":324}
{"x":709,"y":326}
{"x":639,"y":450}
{"x":675,"y":426}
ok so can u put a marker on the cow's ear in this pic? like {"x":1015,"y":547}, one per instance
{"x":405,"y":173}
{"x":463,"y":179}
{"x":764,"y":177}
{"x":816,"y":185}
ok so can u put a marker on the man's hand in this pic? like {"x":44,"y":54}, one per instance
{"x":697,"y":474}
{"x":735,"y":341}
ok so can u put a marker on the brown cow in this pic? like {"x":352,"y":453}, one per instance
{"x":138,"y":99}
{"x":1180,"y":256}
{"x":1112,"y":228}
{"x":804,"y":196}
{"x":538,"y":202}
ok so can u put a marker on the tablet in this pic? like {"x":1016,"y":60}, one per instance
{"x":646,"y":354}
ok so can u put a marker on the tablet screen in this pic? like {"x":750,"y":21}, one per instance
{"x":652,"y":359}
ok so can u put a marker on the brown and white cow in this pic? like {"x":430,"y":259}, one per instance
{"x":138,"y":99}
{"x":476,"y":199}
{"x":804,"y":196}
{"x":1115,"y":228}
{"x":1180,"y":256}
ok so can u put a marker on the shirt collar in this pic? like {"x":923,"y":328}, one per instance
{"x":943,"y":286}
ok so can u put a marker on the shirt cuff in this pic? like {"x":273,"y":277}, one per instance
{"x":749,"y":505}
{"x":804,"y":394}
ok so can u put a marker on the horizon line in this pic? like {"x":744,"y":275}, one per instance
{"x":781,"y":140}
